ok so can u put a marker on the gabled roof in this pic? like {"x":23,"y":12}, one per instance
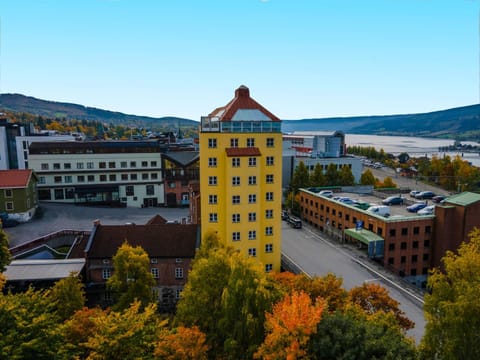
{"x":156,"y":220}
{"x":162,"y":240}
{"x":463,"y":199}
{"x":182,"y":158}
{"x":15,"y":178}
{"x":243,"y":107}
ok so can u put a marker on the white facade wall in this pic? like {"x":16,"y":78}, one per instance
{"x":3,"y":149}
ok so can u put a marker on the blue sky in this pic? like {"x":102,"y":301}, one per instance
{"x":300,"y":58}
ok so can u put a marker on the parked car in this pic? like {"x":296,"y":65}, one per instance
{"x":438,"y":199}
{"x":294,"y":222}
{"x":427,"y":210}
{"x":326,"y":193}
{"x":284,"y":215}
{"x":424,"y":195}
{"x":415,"y":207}
{"x":381,"y":210}
{"x":393,"y":200}
{"x":413,"y":193}
{"x":347,"y":200}
{"x":6,"y":221}
{"x":362,"y":205}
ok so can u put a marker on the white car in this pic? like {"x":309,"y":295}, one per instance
{"x":326,"y":193}
{"x":428,"y":210}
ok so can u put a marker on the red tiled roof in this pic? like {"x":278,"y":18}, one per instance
{"x":14,"y":178}
{"x":242,"y":100}
{"x":167,"y":240}
{"x":243,"y":151}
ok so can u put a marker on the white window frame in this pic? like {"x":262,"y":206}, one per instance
{"x":106,"y":273}
{"x":252,"y":235}
{"x":269,"y":178}
{"x":234,"y":142}
{"x":270,"y":160}
{"x":269,"y":214}
{"x":235,"y":180}
{"x":269,"y":230}
{"x":235,"y":199}
{"x":252,"y":161}
{"x":250,"y":142}
{"x":252,"y":180}
{"x":8,"y":193}
{"x":212,"y":143}
{"x":252,"y":217}
{"x":270,"y":142}
{"x":269,"y":196}
{"x":155,"y":273}
{"x":235,"y":218}
{"x":212,"y":180}
{"x":236,"y":162}
{"x":236,"y":236}
{"x":252,"y":252}
{"x":212,"y":162}
{"x":178,"y":273}
{"x":268,"y":267}
{"x":212,"y":199}
{"x":213,"y":217}
{"x":268,"y":248}
{"x":252,"y":198}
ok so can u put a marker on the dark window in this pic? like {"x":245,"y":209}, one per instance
{"x":112,"y":177}
{"x":58,"y":194}
{"x":403,"y":245}
{"x":390,"y":261}
{"x":413,"y":272}
{"x":426,"y":243}
{"x":425,"y":271}
{"x":130,"y":190}
{"x":103,"y":177}
{"x":334,"y":211}
{"x":425,"y":257}
{"x":391,"y":247}
{"x":416,"y":230}
{"x":415,"y":245}
{"x":414,"y":258}
{"x":379,"y":231}
{"x":347,"y":217}
{"x":111,"y":164}
{"x":428,"y":229}
{"x":102,"y":165}
{"x":370,"y":227}
{"x":403,"y":259}
{"x":150,"y":190}
{"x":144,"y":163}
{"x":404,"y":231}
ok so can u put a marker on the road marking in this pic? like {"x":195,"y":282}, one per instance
{"x":371,"y":280}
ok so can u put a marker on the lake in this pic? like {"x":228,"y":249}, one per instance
{"x":414,"y":146}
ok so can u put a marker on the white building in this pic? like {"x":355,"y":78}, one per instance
{"x":121,"y":173}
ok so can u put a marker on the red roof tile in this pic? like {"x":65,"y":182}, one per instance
{"x":243,"y":151}
{"x":14,"y":178}
{"x":242,"y":100}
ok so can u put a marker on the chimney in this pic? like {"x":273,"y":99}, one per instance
{"x":242,"y":91}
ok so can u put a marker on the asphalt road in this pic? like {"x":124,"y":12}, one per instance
{"x":317,"y":255}
{"x":66,"y":216}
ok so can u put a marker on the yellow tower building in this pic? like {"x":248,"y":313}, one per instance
{"x":241,"y":177}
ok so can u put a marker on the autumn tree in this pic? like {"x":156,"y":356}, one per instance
{"x":131,"y":279}
{"x":351,"y":335}
{"x":182,"y":344}
{"x":452,"y":309}
{"x":4,"y":251}
{"x":68,"y":295}
{"x":374,"y":298}
{"x":289,"y":327}
{"x":317,"y":178}
{"x":367,"y":178}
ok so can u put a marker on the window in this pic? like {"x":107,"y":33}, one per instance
{"x":250,"y":142}
{"x":41,"y":179}
{"x":426,"y":243}
{"x":145,"y":176}
{"x":236,"y":162}
{"x":8,"y":193}
{"x":89,"y":165}
{"x":144,"y":163}
{"x":391,"y":247}
{"x":67,"y":166}
{"x":9,"y":205}
{"x":270,"y":142}
{"x":269,"y":214}
{"x":106,"y":274}
{"x":155,"y":273}
{"x":425,"y":257}
{"x":112,"y":177}
{"x":68,"y":179}
{"x":123,"y":164}
{"x":403,"y":259}
{"x":415,"y":245}
{"x":413,"y":272}
{"x":268,"y":248}
{"x":235,"y":218}
{"x":124,"y":177}
{"x":178,"y":273}
{"x":235,"y":180}
{"x":269,"y":179}
{"x":212,"y":180}
{"x":150,"y":189}
{"x":269,"y":196}
{"x":403,"y":245}
{"x":252,"y":252}
{"x":130,"y":190}
{"x":171,"y":184}
{"x":213,"y":217}
{"x":212,"y":199}
{"x":268,"y":267}
{"x":404,"y":231}
{"x":414,"y":258}
{"x":79,"y":165}
{"x":269,"y":160}
{"x":154,"y":261}
{"x":252,"y":216}
{"x":234,"y":142}
{"x":392,"y":232}
{"x":56,"y":166}
{"x":416,"y":230}
{"x":154,"y":176}
{"x":153,"y":163}
{"x":269,"y":230}
{"x":111,"y":165}
{"x":252,"y":235}
{"x":102,"y":165}
{"x":133,"y":164}
{"x":44,"y":166}
{"x":252,"y":198}
{"x":252,"y":180}
{"x":90,"y":178}
{"x":428,"y":229}
{"x":212,"y":143}
{"x":212,"y":162}
{"x":252,"y":161}
{"x":103,"y":177}
{"x":57,"y":179}
{"x":236,"y":236}
{"x":178,"y":293}
{"x":236,"y":199}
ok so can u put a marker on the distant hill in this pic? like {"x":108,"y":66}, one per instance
{"x":461,"y":122}
{"x":52,"y":109}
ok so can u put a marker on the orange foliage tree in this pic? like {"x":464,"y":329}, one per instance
{"x":182,"y":343}
{"x":289,"y":327}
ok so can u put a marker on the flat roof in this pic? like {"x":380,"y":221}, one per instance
{"x":43,"y":269}
{"x":363,"y":235}
{"x":463,"y":199}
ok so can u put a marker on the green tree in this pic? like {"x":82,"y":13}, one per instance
{"x":68,"y":295}
{"x":345,"y":176}
{"x":332,"y":175}
{"x":4,"y":251}
{"x":367,"y":178}
{"x":300,"y":178}
{"x":351,"y":335}
{"x":131,"y":279}
{"x":317,"y":179}
{"x":452,"y":309}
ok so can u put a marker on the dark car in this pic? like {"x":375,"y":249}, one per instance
{"x":424,"y":195}
{"x":284,"y":215}
{"x":439,"y":198}
{"x":415,"y":207}
{"x":393,"y":200}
